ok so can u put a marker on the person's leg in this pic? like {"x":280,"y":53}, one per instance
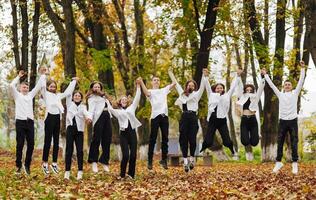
{"x":56,"y":138}
{"x":210,"y":134}
{"x":164,"y":127}
{"x":30,"y":145}
{"x":254,"y":131}
{"x":183,"y":138}
{"x":281,"y":138}
{"x":106,"y":139}
{"x":153,"y":137}
{"x":70,"y":134}
{"x":194,"y":127}
{"x":20,"y":138}
{"x":133,"y":153}
{"x":79,"y":147}
{"x":224,"y":132}
{"x":49,"y":124}
{"x":294,"y":139}
{"x":244,"y":132}
{"x":125,"y":152}
{"x":96,"y":140}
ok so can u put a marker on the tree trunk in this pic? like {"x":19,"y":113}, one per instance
{"x":25,"y":34}
{"x":14,"y":28}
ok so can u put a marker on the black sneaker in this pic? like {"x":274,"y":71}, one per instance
{"x":186,"y":168}
{"x":55,"y":168}
{"x":163,"y":163}
{"x":18,"y":171}
{"x":45,"y":169}
{"x":150,"y":164}
{"x":27,"y":170}
{"x":191,"y":165}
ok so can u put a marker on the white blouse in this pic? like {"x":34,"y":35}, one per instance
{"x":287,"y":100}
{"x":127,"y":115}
{"x":222,"y":102}
{"x":158,"y":101}
{"x":79,"y":112}
{"x":96,"y":105}
{"x":24,"y":103}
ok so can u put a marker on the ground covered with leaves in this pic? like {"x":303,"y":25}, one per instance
{"x":230,"y":180}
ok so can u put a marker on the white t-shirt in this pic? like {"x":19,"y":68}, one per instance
{"x":158,"y":101}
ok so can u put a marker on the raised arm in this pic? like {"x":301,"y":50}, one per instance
{"x":142,"y":84}
{"x":239,"y":89}
{"x":39,"y":85}
{"x":137,"y":97}
{"x":260,"y":88}
{"x":175,"y":82}
{"x":199,"y":93}
{"x":273,"y":87}
{"x":13,"y":85}
{"x":111,"y":109}
{"x":70,"y":89}
{"x":302,"y":77}
{"x":235,"y":82}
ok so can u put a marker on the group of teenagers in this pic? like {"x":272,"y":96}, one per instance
{"x":101,"y":109}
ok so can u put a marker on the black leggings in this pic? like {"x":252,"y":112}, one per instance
{"x":102,"y":134}
{"x":188,"y":127}
{"x":74,"y":136}
{"x":291,"y":127}
{"x":24,"y":131}
{"x":220,"y":125}
{"x":249,"y":130}
{"x":52,"y":129}
{"x":161,"y":121}
{"x":128,"y":142}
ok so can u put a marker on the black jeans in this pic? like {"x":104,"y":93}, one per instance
{"x":188,"y":127}
{"x":249,"y":130}
{"x":73,"y":136}
{"x":161,"y":121}
{"x":24,"y":131}
{"x":52,"y":129}
{"x":220,"y":125}
{"x":291,"y":127}
{"x":128,"y":142}
{"x":102,"y":134}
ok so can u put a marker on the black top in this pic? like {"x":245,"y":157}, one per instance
{"x":184,"y":107}
{"x":214,"y":114}
{"x":246,"y":105}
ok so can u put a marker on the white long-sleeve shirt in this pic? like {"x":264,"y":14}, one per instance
{"x":192,"y":100}
{"x":222,"y":102}
{"x":96,"y":105}
{"x":53,"y":100}
{"x":254,"y":97}
{"x":24,"y":103}
{"x":127,"y":115}
{"x":79,"y":112}
{"x":158,"y":101}
{"x":287,"y":100}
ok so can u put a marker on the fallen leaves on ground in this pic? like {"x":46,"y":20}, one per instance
{"x":231,"y":180}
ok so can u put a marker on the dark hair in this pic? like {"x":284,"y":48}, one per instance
{"x":24,"y":83}
{"x":49,"y":82}
{"x":217,"y":84}
{"x":90,"y":92}
{"x":251,"y":86}
{"x":287,"y":81}
{"x":75,"y":92}
{"x":186,"y":91}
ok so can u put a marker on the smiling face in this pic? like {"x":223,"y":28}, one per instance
{"x":24,"y":88}
{"x":190,"y":87}
{"x":219,"y":89}
{"x":155,"y":81}
{"x":52,"y":87}
{"x":77,"y":97}
{"x":124,"y":102}
{"x":287,"y":86}
{"x":249,"y":89}
{"x":96,"y":88}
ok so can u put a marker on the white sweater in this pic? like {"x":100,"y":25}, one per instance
{"x":24,"y":103}
{"x":79,"y":112}
{"x":158,"y":101}
{"x":96,"y":106}
{"x":287,"y":100}
{"x":127,"y":115}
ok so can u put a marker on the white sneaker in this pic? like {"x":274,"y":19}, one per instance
{"x":294,"y":168}
{"x":55,"y":168}
{"x":67,"y":175}
{"x":277,"y":167}
{"x":95,"y":167}
{"x":106,"y":168}
{"x":235,"y":156}
{"x":79,"y":175}
{"x":249,"y":156}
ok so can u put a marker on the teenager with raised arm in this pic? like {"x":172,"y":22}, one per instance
{"x":159,"y":118}
{"x":54,"y":111}
{"x":24,"y":118}
{"x":218,"y":107}
{"x":100,"y":118}
{"x":287,"y":117}
{"x":188,"y":102}
{"x":75,"y":125}
{"x":125,"y":113}
{"x":250,"y":119}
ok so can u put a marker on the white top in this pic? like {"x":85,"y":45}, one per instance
{"x":127,"y":115}
{"x":221,"y":101}
{"x":288,"y":100}
{"x":24,"y":103}
{"x":96,"y":105}
{"x":254,"y":97}
{"x":53,"y":100}
{"x":79,"y":112}
{"x":192,"y":100}
{"x":158,"y":101}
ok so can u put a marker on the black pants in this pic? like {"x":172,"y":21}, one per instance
{"x":52,"y":129}
{"x":188,"y":127}
{"x":24,"y":131}
{"x":220,"y":125}
{"x":102,"y":134}
{"x":249,"y":130}
{"x":74,"y":136}
{"x":128,"y":141}
{"x":161,"y":121}
{"x":291,"y":127}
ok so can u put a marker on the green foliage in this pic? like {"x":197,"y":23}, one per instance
{"x":101,"y":59}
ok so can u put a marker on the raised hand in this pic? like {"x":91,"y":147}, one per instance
{"x":75,"y":78}
{"x":263,"y":71}
{"x":302,"y":64}
{"x":21,"y":73}
{"x":205,"y":72}
{"x":239,"y":72}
